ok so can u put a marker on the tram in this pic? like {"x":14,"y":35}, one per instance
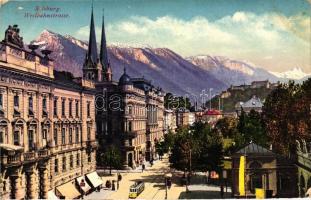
{"x":136,"y":189}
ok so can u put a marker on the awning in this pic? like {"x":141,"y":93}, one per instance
{"x":52,"y":196}
{"x":94,"y":179}
{"x":68,"y":190}
{"x":83,"y":184}
{"x":11,"y":147}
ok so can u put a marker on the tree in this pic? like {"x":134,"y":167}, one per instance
{"x":112,"y":158}
{"x":209,"y":154}
{"x":251,"y":128}
{"x":179,"y":157}
{"x":197,"y":148}
{"x":160,"y":148}
{"x":286,"y":116}
{"x":232,"y":138}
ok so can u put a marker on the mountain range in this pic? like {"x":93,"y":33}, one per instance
{"x":296,"y":74}
{"x":162,"y":66}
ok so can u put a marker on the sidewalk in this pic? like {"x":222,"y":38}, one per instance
{"x":136,"y":170}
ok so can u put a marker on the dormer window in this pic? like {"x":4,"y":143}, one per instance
{"x":16,"y":106}
{"x":30,"y":106}
{"x":1,"y":106}
{"x":44,"y":107}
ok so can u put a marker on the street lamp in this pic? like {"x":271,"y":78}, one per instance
{"x":167,"y":183}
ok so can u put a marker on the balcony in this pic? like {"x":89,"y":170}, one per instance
{"x":29,"y":156}
{"x":11,"y":159}
{"x":130,"y":134}
{"x":43,"y":153}
{"x":26,"y":60}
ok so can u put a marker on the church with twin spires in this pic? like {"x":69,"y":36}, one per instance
{"x":129,"y":113}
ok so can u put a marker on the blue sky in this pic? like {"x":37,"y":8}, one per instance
{"x":274,"y":34}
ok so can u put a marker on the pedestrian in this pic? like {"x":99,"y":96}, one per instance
{"x":206,"y":176}
{"x":142,"y":167}
{"x":113,"y":186}
{"x":222,"y":191}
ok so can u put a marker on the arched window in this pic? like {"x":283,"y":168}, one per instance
{"x":31,"y":142}
{"x":16,"y":137}
{"x":2,"y":136}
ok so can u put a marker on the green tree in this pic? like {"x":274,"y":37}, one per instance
{"x":111,"y":158}
{"x":251,"y":128}
{"x":197,"y":148}
{"x":209,"y":154}
{"x":232,"y":138}
{"x":286,"y":116}
{"x":180,"y":153}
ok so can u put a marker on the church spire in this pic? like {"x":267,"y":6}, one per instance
{"x":103,"y":47}
{"x":92,"y":69}
{"x":92,"y":50}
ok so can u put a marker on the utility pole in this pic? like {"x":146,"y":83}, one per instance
{"x":219,"y":103}
{"x":210,"y":101}
{"x":165,"y":187}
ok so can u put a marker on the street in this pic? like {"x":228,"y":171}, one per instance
{"x":153,"y":178}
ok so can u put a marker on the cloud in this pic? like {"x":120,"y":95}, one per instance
{"x":241,"y":35}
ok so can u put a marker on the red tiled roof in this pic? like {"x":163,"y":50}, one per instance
{"x":212,"y":112}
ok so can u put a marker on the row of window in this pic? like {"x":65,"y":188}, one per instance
{"x":31,"y":134}
{"x":44,"y":106}
{"x":70,"y":136}
{"x":55,"y":111}
{"x":71,"y":162}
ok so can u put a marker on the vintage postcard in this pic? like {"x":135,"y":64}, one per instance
{"x":155,"y":99}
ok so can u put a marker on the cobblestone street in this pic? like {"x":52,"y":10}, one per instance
{"x":155,"y":187}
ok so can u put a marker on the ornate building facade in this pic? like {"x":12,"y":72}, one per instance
{"x":47,"y":124}
{"x":129,"y":113}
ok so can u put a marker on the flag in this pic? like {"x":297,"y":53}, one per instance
{"x":242,"y":176}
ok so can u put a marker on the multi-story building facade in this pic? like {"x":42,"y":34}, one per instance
{"x":169,"y":121}
{"x":129,"y":112}
{"x":47,"y":124}
{"x":184,"y":117}
{"x":154,"y":98}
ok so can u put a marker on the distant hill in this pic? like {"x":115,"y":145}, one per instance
{"x":228,"y":104}
{"x":230,"y":71}
{"x":162,"y":66}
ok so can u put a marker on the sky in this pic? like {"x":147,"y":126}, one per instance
{"x":272,"y":34}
